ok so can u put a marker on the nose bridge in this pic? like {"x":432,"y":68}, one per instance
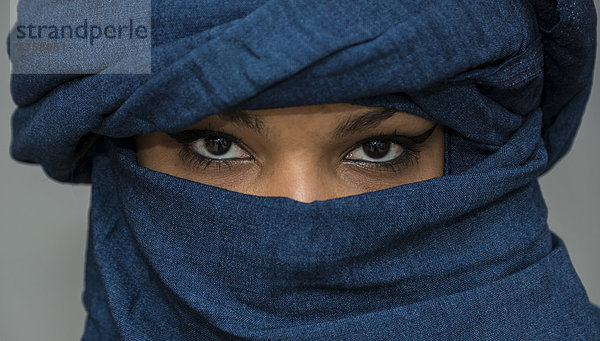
{"x":300,"y":178}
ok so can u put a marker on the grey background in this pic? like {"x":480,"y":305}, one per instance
{"x":43,"y":227}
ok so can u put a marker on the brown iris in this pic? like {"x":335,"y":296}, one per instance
{"x":376,"y":149}
{"x":217,"y":146}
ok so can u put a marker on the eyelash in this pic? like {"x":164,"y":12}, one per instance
{"x":410,"y":154}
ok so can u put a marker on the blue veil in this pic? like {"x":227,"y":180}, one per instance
{"x":468,"y":255}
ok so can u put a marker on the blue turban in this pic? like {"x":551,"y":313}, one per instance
{"x":465,"y":256}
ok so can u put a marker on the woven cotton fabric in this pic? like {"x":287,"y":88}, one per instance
{"x":465,"y":256}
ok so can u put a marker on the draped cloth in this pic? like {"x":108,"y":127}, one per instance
{"x":467,"y":255}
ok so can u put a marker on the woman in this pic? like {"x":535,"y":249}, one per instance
{"x":358,"y":171}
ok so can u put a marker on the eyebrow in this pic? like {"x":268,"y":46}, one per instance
{"x":250,"y":121}
{"x":369,"y":119}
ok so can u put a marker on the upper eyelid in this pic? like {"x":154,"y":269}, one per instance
{"x":191,"y":135}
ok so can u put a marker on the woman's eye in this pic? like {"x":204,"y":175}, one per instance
{"x":218,"y":148}
{"x":376,"y":151}
{"x":205,"y":147}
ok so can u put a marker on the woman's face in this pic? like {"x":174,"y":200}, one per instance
{"x":306,"y":153}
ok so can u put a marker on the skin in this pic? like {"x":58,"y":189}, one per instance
{"x":297,"y":153}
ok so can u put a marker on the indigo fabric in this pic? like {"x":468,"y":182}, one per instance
{"x":465,"y":256}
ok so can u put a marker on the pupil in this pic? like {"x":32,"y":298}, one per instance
{"x":376,"y":149}
{"x":217,"y":146}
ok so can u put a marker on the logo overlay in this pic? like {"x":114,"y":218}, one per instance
{"x":81,"y":37}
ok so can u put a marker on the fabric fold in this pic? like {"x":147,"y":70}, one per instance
{"x":404,"y":48}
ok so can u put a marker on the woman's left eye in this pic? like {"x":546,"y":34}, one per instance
{"x":376,"y":151}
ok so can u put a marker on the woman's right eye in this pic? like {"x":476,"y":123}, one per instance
{"x":203,"y":147}
{"x":219,"y":148}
